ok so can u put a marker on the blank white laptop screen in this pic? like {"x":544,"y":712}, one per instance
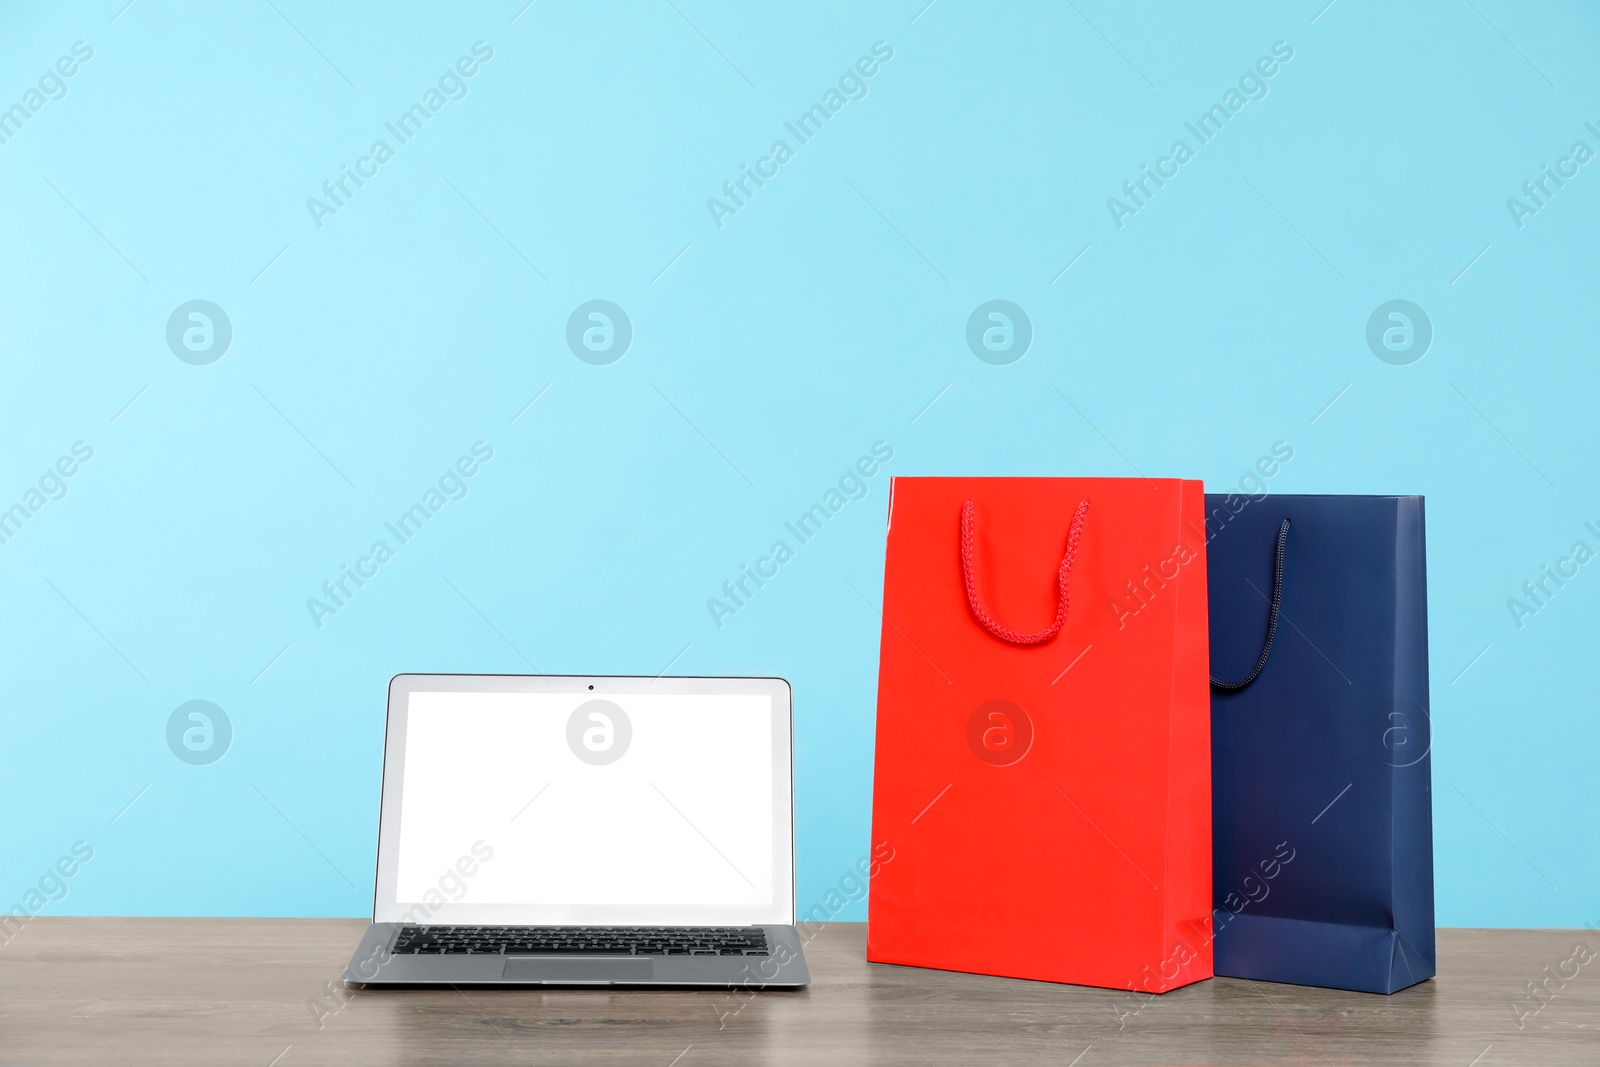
{"x":576,"y":807}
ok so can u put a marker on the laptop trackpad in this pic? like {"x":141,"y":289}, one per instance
{"x":578,"y":970}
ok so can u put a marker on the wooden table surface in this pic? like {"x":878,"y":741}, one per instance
{"x":262,"y":992}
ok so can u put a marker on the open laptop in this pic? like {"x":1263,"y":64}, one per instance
{"x":584,"y":831}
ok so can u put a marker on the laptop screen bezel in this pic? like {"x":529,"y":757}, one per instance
{"x":386,"y":907}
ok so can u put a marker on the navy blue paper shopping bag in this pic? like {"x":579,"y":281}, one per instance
{"x":1322,"y":855}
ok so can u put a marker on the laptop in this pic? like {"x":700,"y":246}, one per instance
{"x":584,"y":831}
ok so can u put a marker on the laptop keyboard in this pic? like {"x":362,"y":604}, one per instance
{"x":582,"y":941}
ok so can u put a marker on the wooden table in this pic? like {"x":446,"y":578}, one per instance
{"x":262,"y":992}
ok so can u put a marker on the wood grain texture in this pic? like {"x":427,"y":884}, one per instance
{"x":139,"y":992}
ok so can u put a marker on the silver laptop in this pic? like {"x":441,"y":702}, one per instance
{"x":584,"y":831}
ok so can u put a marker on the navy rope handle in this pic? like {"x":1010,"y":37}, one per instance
{"x":1272,"y":616}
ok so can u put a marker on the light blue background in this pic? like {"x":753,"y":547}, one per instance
{"x":824,"y":316}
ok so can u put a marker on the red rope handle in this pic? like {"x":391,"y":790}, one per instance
{"x":988,"y":621}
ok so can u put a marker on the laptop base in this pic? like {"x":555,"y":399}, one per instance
{"x":375,"y":965}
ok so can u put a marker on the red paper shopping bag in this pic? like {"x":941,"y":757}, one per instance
{"x":1043,"y":765}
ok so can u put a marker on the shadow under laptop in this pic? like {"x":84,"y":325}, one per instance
{"x":581,"y":1025}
